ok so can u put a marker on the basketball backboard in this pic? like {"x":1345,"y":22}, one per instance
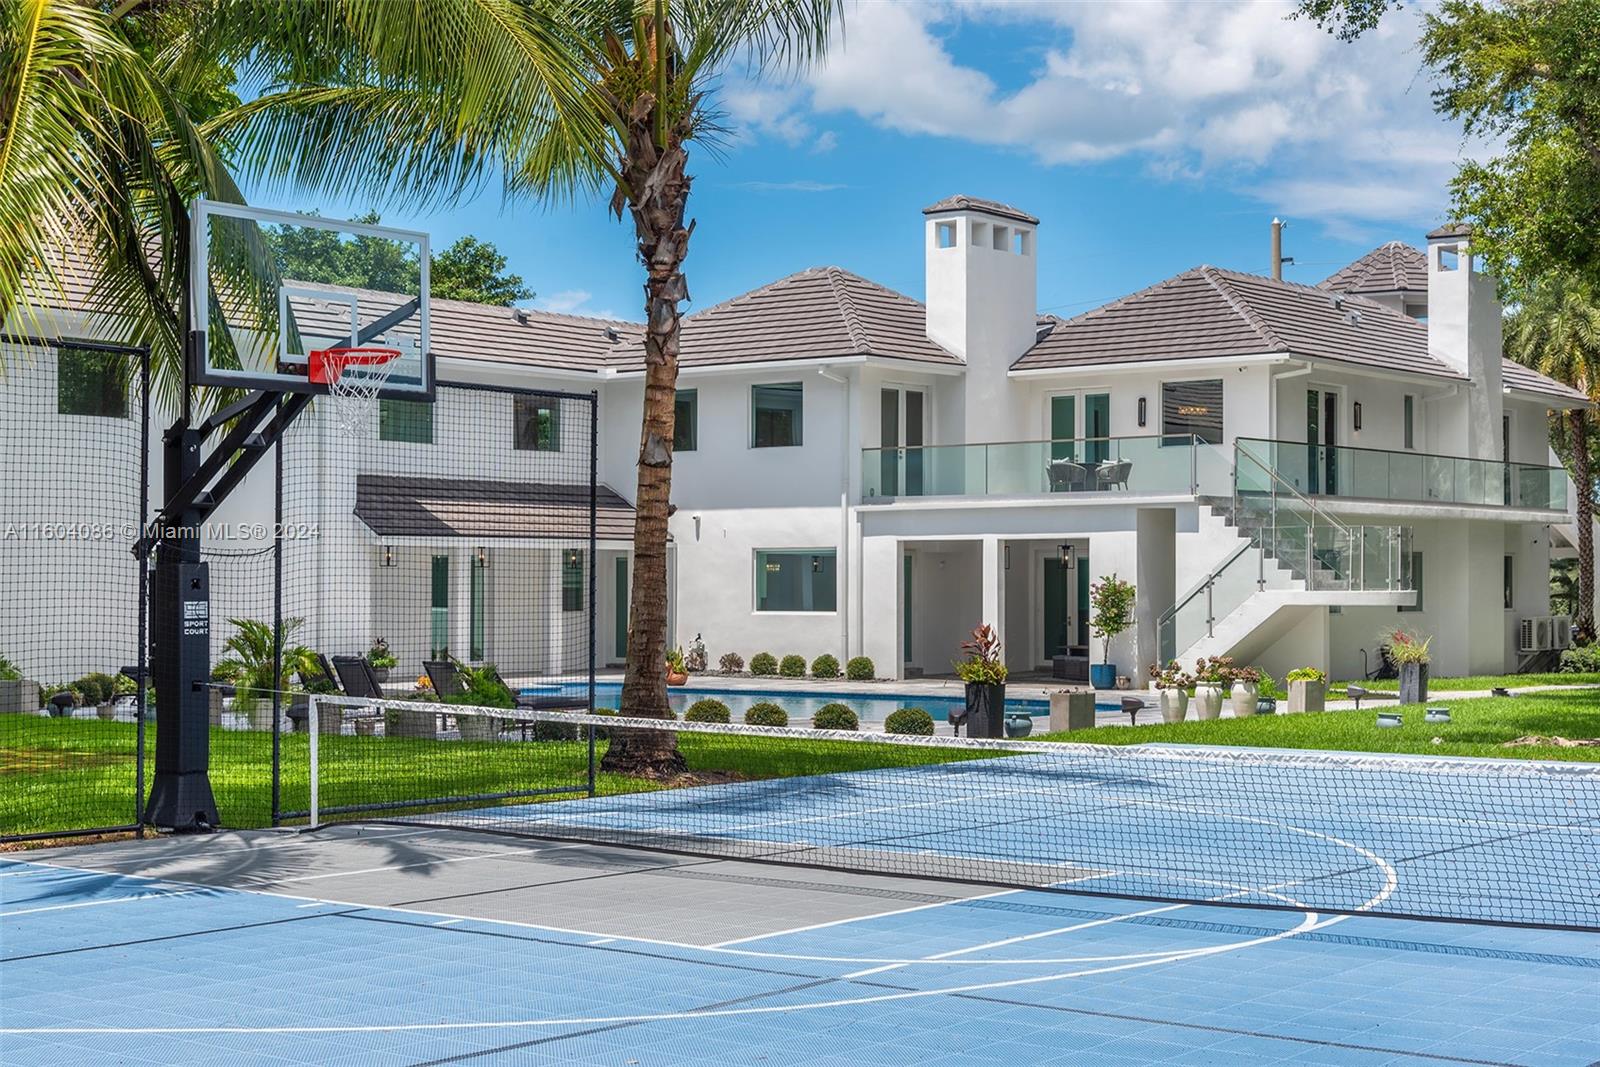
{"x":268,"y":288}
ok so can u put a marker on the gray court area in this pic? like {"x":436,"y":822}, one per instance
{"x":614,"y":891}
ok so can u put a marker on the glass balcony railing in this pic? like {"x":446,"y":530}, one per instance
{"x":1148,"y":465}
{"x":1379,"y":474}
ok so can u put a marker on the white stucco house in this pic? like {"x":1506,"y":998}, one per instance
{"x":1286,"y":472}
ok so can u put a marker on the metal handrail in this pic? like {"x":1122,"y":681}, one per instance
{"x":1277,"y":480}
{"x":1204,"y":584}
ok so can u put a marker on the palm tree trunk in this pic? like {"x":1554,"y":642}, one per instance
{"x":656,"y":190}
{"x":1584,"y":623}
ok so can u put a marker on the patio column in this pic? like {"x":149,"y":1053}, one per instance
{"x":1156,"y":582}
{"x":994,"y":587}
{"x":882,"y":605}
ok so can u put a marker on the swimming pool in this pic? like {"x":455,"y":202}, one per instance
{"x":802,"y":705}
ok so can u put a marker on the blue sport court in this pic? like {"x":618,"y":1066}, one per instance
{"x":778,"y":922}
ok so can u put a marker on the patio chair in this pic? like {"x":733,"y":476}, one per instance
{"x":356,"y":677}
{"x":445,"y":678}
{"x":1066,"y":476}
{"x":1115,"y":474}
{"x":320,"y":675}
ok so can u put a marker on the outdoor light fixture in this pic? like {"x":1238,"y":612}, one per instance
{"x":387,"y":559}
{"x":1142,"y":405}
{"x":1356,"y":414}
{"x":1069,"y":555}
{"x":483,"y":556}
{"x":573,"y":558}
{"x":1008,"y":557}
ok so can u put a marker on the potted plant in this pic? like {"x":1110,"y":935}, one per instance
{"x":694,"y":662}
{"x":1111,"y":612}
{"x":985,"y":674}
{"x":1172,"y":690}
{"x":1246,"y":691}
{"x":1409,"y":651}
{"x":483,"y":688}
{"x":1308,"y":690}
{"x":1211,"y":679}
{"x":381,"y":660}
{"x":677,"y":673}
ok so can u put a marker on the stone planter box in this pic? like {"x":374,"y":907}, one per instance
{"x":1071,"y":710}
{"x":478,"y":727}
{"x":1413,"y":683}
{"x":19,"y":697}
{"x":398,"y":722}
{"x":1307,"y":696}
{"x":214,"y":705}
{"x":106,"y":712}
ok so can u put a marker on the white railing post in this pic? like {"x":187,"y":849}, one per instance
{"x":313,"y":709}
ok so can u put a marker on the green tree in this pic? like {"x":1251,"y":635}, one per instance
{"x":1556,"y":331}
{"x":475,"y":270}
{"x":1525,"y":73}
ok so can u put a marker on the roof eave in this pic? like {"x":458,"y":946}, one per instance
{"x":1551,"y":401}
{"x":1259,"y":359}
{"x":705,"y":370}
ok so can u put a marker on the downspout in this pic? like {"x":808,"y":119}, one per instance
{"x":845,"y":422}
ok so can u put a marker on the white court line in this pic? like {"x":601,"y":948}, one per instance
{"x":447,"y":922}
{"x":856,"y":919}
{"x":1310,"y":922}
{"x":97,"y":903}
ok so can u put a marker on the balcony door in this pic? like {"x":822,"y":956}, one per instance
{"x":1322,"y":441}
{"x":1066,"y":410}
{"x":903,"y":422}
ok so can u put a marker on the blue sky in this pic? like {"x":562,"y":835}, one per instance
{"x":1148,"y":137}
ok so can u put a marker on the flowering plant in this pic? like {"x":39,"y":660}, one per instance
{"x":1172,"y":676}
{"x":1408,"y":647}
{"x":983,"y":665}
{"x":1218,"y":670}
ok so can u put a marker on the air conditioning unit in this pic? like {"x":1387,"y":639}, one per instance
{"x":1545,"y":633}
{"x":1561,"y":631}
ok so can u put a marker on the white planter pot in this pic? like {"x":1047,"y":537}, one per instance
{"x":1244,"y":700}
{"x":1174,"y":704}
{"x":1207,"y":701}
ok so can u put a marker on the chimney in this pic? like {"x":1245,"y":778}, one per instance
{"x":1464,"y":334}
{"x":1278,"y":258}
{"x":981,"y":261}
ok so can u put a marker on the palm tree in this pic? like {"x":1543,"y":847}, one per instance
{"x":251,"y":665}
{"x":1556,"y":331}
{"x":645,"y":73}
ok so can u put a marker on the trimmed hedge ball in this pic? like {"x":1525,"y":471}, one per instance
{"x":764,"y":664}
{"x":835,"y":717}
{"x":766,"y":713}
{"x":909,"y":721}
{"x":825,"y":666}
{"x":793,"y":666}
{"x":708,"y":710}
{"x":860,"y":669}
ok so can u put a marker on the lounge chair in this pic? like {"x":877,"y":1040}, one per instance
{"x":356,"y":677}
{"x":444,"y":676}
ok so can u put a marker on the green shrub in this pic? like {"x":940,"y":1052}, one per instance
{"x":763,"y":664}
{"x":708,"y":710}
{"x":909,"y":721}
{"x":835,"y":717}
{"x":825,"y":666}
{"x":793,"y":667}
{"x":766,"y":713}
{"x":1585,"y":659}
{"x":9,"y":672}
{"x":484,"y":689}
{"x":731,"y":663}
{"x":95,"y":688}
{"x":1306,"y":674}
{"x":548,"y":730}
{"x":860,"y":669}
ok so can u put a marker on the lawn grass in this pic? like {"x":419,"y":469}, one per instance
{"x":60,"y":774}
{"x":1477,"y":682}
{"x":1480,"y":727}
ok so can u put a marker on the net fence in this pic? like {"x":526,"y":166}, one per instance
{"x":1506,"y":842}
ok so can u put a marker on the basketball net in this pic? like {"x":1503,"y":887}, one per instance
{"x":354,"y":395}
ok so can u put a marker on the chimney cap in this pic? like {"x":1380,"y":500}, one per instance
{"x":973,"y":203}
{"x":1449,"y":230}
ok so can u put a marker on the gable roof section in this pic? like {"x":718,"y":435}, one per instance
{"x":1211,"y":313}
{"x":406,"y":506}
{"x":1525,"y":379}
{"x":1394,"y":267}
{"x":820,"y":313}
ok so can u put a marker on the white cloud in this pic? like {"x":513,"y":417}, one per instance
{"x":798,"y":186}
{"x":570,"y":302}
{"x":1306,"y":123}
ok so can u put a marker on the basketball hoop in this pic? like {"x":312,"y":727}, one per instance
{"x":356,"y":394}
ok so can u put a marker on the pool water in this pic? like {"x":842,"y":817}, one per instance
{"x":801,"y":705}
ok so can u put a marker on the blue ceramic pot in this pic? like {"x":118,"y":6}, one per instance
{"x":1103,"y":675}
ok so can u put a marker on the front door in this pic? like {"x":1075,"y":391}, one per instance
{"x":906,"y":612}
{"x":1057,"y":608}
{"x":620,"y":609}
{"x":903,"y":422}
{"x":1322,"y":441}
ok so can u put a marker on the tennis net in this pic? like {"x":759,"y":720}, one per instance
{"x":1497,"y":841}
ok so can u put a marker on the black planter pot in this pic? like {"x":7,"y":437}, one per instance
{"x":986,"y":705}
{"x":1413,"y":683}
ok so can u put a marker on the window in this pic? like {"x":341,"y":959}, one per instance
{"x":1416,"y":581}
{"x":1192,"y":408}
{"x":91,"y":383}
{"x":572,"y":580}
{"x":1507,"y":581}
{"x":686,"y":421}
{"x":405,"y":420}
{"x":778,"y":412}
{"x":475,"y":638}
{"x":439,"y":607}
{"x":537,"y":422}
{"x":796,"y":580}
{"x":1408,"y":424}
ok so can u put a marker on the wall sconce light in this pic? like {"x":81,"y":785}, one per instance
{"x":482,"y":558}
{"x":574,"y":558}
{"x":1142,"y":410}
{"x":1069,"y":556}
{"x":1356,"y":414}
{"x":1007,"y":550}
{"x":386,"y":559}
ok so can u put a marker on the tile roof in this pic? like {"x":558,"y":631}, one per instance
{"x":1450,"y":229}
{"x":973,"y":203}
{"x":820,"y":313}
{"x":1515,"y":376}
{"x":407,"y":506}
{"x":1210,"y":313}
{"x":1395,"y":267}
